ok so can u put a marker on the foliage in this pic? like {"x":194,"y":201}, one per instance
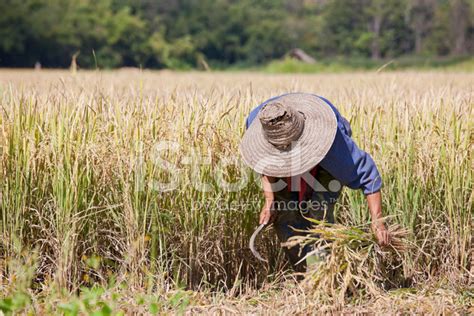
{"x":182,"y":33}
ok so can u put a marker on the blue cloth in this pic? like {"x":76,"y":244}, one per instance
{"x":345,"y":161}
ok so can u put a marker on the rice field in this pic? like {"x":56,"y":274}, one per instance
{"x":123,"y":192}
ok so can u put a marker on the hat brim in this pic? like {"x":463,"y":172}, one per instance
{"x":312,"y":146}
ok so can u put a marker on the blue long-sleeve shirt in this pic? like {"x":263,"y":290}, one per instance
{"x":346,"y":162}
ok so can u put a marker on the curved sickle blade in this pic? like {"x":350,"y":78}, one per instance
{"x":252,"y":243}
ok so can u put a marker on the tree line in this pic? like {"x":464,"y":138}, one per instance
{"x":192,"y":33}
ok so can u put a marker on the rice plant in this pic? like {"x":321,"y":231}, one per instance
{"x":87,"y":184}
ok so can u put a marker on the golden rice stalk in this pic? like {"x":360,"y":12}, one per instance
{"x":349,"y":262}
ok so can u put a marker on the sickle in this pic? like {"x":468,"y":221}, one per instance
{"x":252,"y":243}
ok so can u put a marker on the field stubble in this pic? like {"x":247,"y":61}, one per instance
{"x":80,"y":202}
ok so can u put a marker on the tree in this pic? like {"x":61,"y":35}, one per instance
{"x":344,"y":28}
{"x":420,"y":18}
{"x":178,"y":33}
{"x":460,"y":21}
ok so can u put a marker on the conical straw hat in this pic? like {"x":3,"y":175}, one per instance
{"x":289,"y":136}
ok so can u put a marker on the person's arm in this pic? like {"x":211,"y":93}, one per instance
{"x":266,"y":215}
{"x":356,"y":169}
{"x":374,"y":200}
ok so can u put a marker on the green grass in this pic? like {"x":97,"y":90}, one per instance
{"x":289,"y":65}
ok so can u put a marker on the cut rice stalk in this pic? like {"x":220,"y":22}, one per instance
{"x":356,"y":265}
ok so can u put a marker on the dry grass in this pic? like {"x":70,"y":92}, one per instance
{"x":349,"y":264}
{"x":78,"y":175}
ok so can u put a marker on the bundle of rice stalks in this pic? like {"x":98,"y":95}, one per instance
{"x":349,"y":262}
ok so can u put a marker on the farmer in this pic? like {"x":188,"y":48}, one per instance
{"x":302,"y":147}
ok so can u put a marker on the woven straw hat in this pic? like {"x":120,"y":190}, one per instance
{"x":289,"y":136}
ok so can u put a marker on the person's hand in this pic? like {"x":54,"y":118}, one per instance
{"x":382,"y":234}
{"x":267,"y":215}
